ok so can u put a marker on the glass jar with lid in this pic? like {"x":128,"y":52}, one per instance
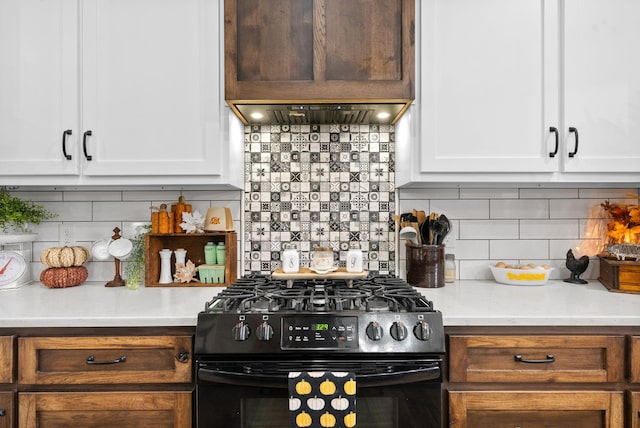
{"x":449,"y":268}
{"x":322,"y":259}
{"x":354,"y":258}
{"x":290,"y":258}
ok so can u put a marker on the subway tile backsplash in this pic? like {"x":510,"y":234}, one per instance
{"x":515,"y":224}
{"x":94,"y":215}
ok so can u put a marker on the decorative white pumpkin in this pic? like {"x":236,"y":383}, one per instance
{"x":294,"y":404}
{"x":315,"y":403}
{"x":340,"y":403}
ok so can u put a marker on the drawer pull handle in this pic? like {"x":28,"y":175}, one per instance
{"x":183,"y":356}
{"x":3,"y":412}
{"x":92,"y":361}
{"x":550,"y":359}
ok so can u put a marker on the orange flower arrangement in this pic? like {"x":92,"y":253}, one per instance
{"x":624,"y":226}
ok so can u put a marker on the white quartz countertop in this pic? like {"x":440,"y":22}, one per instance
{"x":557,"y":303}
{"x":93,"y":305}
{"x":463,"y":303}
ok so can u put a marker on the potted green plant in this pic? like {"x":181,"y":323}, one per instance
{"x":18,"y":215}
{"x":134,"y":265}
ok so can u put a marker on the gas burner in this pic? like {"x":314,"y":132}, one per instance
{"x":263,"y":294}
{"x":377,"y":304}
{"x":264,"y":304}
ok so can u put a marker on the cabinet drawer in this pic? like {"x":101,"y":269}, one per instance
{"x":536,"y":358}
{"x":6,"y":409}
{"x":105,"y":359}
{"x":156,"y":409}
{"x":634,"y":357}
{"x":6,"y":359}
{"x":561,"y":409}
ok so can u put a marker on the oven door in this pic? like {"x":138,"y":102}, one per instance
{"x":251,"y":394}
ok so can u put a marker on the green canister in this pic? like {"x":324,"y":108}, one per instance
{"x":210,"y":253}
{"x":221,"y":253}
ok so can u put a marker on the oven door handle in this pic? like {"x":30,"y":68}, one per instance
{"x":421,"y":374}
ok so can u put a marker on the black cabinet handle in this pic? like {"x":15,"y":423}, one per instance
{"x":575,"y":150}
{"x":84,"y":144}
{"x":92,"y":361}
{"x":64,"y":144}
{"x":3,"y":412}
{"x":550,"y":359}
{"x":555,"y":151}
{"x":183,"y":356}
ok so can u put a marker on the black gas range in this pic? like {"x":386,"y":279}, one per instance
{"x":259,"y":315}
{"x":259,"y":329}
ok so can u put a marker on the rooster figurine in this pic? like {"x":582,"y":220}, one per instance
{"x":576,"y":267}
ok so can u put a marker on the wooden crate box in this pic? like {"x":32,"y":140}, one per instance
{"x":194,"y":244}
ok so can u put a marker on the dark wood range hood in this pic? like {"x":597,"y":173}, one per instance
{"x":319,"y":61}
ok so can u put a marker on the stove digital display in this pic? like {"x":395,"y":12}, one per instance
{"x":316,"y":332}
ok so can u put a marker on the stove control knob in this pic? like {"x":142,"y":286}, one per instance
{"x":264,"y":331}
{"x":422,"y":330}
{"x":374,"y":330}
{"x":241,"y":331}
{"x":398,"y":331}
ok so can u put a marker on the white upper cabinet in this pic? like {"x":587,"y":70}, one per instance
{"x":484,"y":96}
{"x":150,"y":96}
{"x":143,"y":88}
{"x":38,"y":87}
{"x":504,"y":84}
{"x":601,"y":87}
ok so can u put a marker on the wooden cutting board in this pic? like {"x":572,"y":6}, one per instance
{"x":306,"y":273}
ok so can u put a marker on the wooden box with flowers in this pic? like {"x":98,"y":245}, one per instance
{"x":620,"y":263}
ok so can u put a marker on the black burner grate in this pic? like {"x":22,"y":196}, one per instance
{"x":263,"y":294}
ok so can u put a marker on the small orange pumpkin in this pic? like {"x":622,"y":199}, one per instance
{"x":303,"y":387}
{"x":350,"y":420}
{"x":303,"y":419}
{"x":327,"y":420}
{"x":350,"y":387}
{"x":327,"y":387}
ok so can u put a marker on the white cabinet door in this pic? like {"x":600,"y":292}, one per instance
{"x":38,"y":87}
{"x":151,"y":87}
{"x":602,"y":85}
{"x":488,"y":94}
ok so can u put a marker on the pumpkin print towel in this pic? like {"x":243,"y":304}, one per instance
{"x":322,"y":399}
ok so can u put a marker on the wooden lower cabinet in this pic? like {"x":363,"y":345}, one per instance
{"x":126,"y":409}
{"x":558,"y":409}
{"x":533,"y":377}
{"x":634,"y":409}
{"x":72,"y":360}
{"x":634,"y":358}
{"x":6,"y":409}
{"x":118,"y":379}
{"x":536,"y":358}
{"x":6,"y":359}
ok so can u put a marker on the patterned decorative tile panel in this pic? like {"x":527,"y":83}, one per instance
{"x":317,"y":185}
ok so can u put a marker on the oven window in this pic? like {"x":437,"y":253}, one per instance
{"x":417,"y":405}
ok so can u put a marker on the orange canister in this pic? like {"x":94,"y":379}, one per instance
{"x":177,"y":210}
